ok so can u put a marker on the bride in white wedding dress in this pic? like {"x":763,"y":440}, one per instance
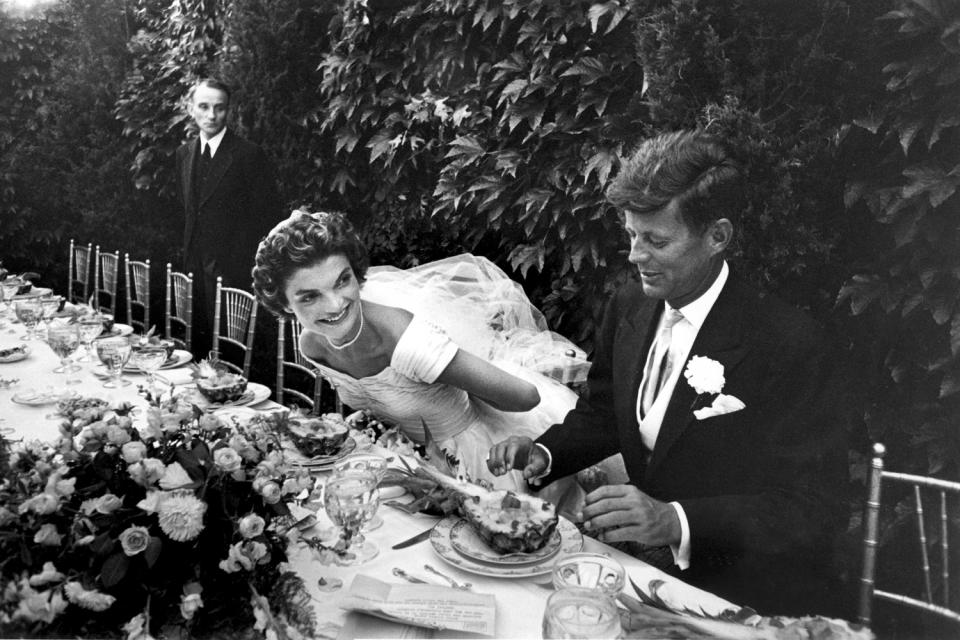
{"x":454,"y":344}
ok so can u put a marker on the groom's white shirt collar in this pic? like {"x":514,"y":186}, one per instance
{"x":696,"y":312}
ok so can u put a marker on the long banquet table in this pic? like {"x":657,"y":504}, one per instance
{"x":519,"y":601}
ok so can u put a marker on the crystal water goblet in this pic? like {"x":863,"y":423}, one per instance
{"x":29,"y":312}
{"x":371,"y":462}
{"x":351,"y":499}
{"x":91,"y":326}
{"x":51,"y":305}
{"x":64,"y":340}
{"x":149,"y":358}
{"x":10,"y":287}
{"x":114,"y":352}
{"x":578,"y":612}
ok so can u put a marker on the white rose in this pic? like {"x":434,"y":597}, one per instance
{"x":704,"y":375}
{"x":133,"y":451}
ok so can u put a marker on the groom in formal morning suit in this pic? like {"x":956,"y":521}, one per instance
{"x":229,"y":196}
{"x":739,"y":468}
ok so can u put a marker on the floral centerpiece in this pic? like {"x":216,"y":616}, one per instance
{"x":179,"y":521}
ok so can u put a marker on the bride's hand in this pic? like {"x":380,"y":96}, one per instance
{"x":517,"y":452}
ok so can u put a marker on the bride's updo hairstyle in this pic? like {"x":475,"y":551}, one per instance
{"x":303,"y":240}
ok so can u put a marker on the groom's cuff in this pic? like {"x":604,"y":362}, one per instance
{"x":549,"y":468}
{"x":681,"y":552}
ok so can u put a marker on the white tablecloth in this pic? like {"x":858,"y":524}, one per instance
{"x":520,"y":602}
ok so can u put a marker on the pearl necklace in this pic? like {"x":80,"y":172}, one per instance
{"x":349,"y":342}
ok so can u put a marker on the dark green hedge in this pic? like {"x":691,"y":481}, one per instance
{"x":493,"y":127}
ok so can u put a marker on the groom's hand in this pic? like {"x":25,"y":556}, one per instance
{"x":517,"y":452}
{"x":622,"y":512}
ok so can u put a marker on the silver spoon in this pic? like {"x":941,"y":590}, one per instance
{"x":453,"y":583}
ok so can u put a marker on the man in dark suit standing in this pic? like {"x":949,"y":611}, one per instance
{"x":724,"y":404}
{"x":230,"y":201}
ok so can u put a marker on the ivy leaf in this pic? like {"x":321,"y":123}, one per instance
{"x":152,"y":552}
{"x":588,"y":69}
{"x":601,"y":162}
{"x":465,"y":147}
{"x":950,"y":385}
{"x":114,"y":569}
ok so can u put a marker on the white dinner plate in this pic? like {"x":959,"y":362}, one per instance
{"x":237,"y":415}
{"x":464,"y":539}
{"x":254,"y":394}
{"x":118,"y":329}
{"x":317,"y":463}
{"x":21,"y":352}
{"x":34,"y":398}
{"x":571,"y":541}
{"x":178,"y":359}
{"x":35,"y":292}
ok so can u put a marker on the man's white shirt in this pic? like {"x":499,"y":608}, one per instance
{"x":213,"y":142}
{"x":684,"y":333}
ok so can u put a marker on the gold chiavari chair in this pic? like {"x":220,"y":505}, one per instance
{"x":138,"y":292}
{"x":290,"y":362}
{"x":178,"y":308}
{"x":106,"y":270}
{"x":234,"y":321}
{"x":78,"y":285}
{"x":936,"y":597}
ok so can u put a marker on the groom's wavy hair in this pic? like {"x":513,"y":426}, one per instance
{"x":696,"y":170}
{"x":303,"y":240}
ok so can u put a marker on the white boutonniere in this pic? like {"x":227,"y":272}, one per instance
{"x":705,"y":375}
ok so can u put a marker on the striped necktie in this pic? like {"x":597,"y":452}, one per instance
{"x":660,"y":363}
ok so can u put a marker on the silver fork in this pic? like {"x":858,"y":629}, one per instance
{"x":453,"y":583}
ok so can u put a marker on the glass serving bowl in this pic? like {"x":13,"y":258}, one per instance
{"x":592,"y":571}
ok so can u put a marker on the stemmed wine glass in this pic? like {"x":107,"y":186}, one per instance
{"x":351,"y":499}
{"x":372,"y":463}
{"x":50,"y":305}
{"x":149,"y":358}
{"x":64,"y":339}
{"x":114,"y":352}
{"x":10,"y":287}
{"x":29,"y":311}
{"x":91,"y":326}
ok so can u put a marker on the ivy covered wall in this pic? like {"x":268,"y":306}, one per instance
{"x":494,"y":126}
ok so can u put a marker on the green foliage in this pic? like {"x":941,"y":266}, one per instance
{"x":778,"y":79}
{"x":903,"y":178}
{"x":490,"y":126}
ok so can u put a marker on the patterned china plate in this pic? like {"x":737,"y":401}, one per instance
{"x":464,"y":538}
{"x":21,"y":352}
{"x":571,"y":541}
{"x":34,"y":398}
{"x":255,"y":394}
{"x":178,"y":359}
{"x":318,"y":463}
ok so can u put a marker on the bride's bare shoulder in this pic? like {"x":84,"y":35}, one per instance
{"x":392,"y":321}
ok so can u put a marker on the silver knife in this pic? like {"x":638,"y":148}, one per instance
{"x":420,"y":537}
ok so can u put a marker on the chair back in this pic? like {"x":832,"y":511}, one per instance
{"x":78,"y":285}
{"x":290,"y":362}
{"x":178,"y":308}
{"x":946,"y":494}
{"x":138,"y":292}
{"x":106,"y":270}
{"x":234,"y":321}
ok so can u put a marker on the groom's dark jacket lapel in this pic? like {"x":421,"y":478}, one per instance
{"x":755,"y":484}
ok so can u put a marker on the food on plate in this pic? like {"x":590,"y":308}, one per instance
{"x":11,"y":352}
{"x":139,"y":342}
{"x":217,"y":384}
{"x":510,"y":522}
{"x":317,"y":435}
